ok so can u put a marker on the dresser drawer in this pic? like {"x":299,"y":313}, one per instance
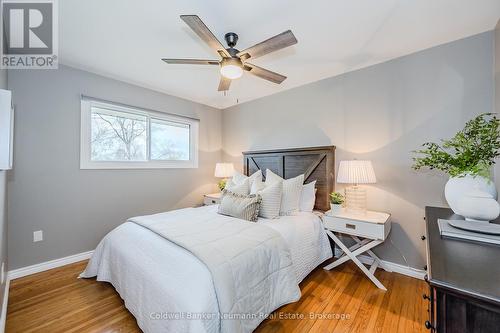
{"x":358,"y":228}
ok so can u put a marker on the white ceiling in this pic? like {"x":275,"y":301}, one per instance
{"x":125,"y":39}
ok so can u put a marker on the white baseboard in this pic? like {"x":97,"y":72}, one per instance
{"x":44,"y":266}
{"x":397,"y":268}
{"x":3,"y":317}
{"x":24,"y":271}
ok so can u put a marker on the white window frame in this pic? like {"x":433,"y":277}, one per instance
{"x":86,"y":135}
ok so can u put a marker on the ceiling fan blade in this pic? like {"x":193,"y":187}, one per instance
{"x":224,"y":84}
{"x":272,"y":44}
{"x":191,"y":61}
{"x":264,"y":73}
{"x":195,"y":23}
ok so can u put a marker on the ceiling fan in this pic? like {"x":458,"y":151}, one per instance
{"x":233,"y":61}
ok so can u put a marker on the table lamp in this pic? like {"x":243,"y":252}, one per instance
{"x":356,"y":172}
{"x":223,"y":170}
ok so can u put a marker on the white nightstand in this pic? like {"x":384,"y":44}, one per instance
{"x":212,"y":199}
{"x":373,"y":227}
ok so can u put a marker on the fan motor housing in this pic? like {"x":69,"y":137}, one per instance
{"x":231,"y":61}
{"x":231,"y":39}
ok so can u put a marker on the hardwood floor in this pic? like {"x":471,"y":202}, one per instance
{"x":342,"y":300}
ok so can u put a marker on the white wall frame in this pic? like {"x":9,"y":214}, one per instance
{"x":86,"y":133}
{"x":6,"y":130}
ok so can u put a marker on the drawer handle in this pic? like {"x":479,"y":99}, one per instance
{"x":213,"y":201}
{"x":428,"y":325}
{"x":350,"y":226}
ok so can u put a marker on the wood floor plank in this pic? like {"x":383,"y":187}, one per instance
{"x":56,"y":301}
{"x":375,"y":302}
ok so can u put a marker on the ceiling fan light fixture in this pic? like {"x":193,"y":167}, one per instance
{"x":231,"y":68}
{"x":234,"y":61}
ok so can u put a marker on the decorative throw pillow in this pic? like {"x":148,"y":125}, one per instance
{"x":244,"y":207}
{"x":308,"y":197}
{"x":292,"y":189}
{"x":238,"y":178}
{"x":238,"y":188}
{"x":257,"y":186}
{"x":271,"y":199}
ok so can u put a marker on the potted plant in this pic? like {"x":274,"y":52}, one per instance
{"x":468,"y":158}
{"x":336,"y":201}
{"x":222,"y":184}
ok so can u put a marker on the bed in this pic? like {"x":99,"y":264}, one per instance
{"x":194,"y":282}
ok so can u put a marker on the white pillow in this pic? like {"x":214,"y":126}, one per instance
{"x":308,"y":197}
{"x":241,"y":188}
{"x":292,"y":189}
{"x":238,"y":178}
{"x":257,"y":186}
{"x":270,"y":200}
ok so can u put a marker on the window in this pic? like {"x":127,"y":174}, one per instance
{"x":120,"y":137}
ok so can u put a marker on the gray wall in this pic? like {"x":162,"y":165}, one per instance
{"x":3,"y":205}
{"x":379,"y":113}
{"x":76,"y":208}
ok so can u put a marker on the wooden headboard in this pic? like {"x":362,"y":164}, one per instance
{"x":316,"y":163}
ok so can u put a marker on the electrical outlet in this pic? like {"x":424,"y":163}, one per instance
{"x":38,"y":236}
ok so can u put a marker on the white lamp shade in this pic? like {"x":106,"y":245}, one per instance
{"x":224,"y":170}
{"x":356,"y":172}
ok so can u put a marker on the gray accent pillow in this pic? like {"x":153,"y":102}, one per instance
{"x":244,"y":207}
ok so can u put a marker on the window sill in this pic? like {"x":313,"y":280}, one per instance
{"x":138,"y":165}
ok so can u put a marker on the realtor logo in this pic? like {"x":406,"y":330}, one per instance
{"x":29,"y":32}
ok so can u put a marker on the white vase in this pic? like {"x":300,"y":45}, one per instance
{"x":335,"y":209}
{"x":472,"y":197}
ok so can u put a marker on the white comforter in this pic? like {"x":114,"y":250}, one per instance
{"x":168,"y":289}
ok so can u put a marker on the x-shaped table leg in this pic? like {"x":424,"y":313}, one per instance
{"x":373,"y":255}
{"x":352,"y":256}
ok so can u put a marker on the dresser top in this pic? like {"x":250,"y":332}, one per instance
{"x":467,"y":267}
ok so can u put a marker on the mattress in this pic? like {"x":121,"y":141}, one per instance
{"x":167,"y":288}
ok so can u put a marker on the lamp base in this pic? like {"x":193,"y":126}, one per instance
{"x":355,"y":198}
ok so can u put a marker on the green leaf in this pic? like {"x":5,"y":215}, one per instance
{"x":472,"y":150}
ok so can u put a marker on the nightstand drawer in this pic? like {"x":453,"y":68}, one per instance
{"x":358,"y":228}
{"x":211,"y":199}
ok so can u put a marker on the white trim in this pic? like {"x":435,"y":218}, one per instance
{"x":85,"y":137}
{"x":128,"y":106}
{"x":3,"y":317}
{"x":44,"y":266}
{"x":397,"y":268}
{"x":25,"y":271}
{"x":6,"y":130}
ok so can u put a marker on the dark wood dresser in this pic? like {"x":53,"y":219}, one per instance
{"x":464,"y":280}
